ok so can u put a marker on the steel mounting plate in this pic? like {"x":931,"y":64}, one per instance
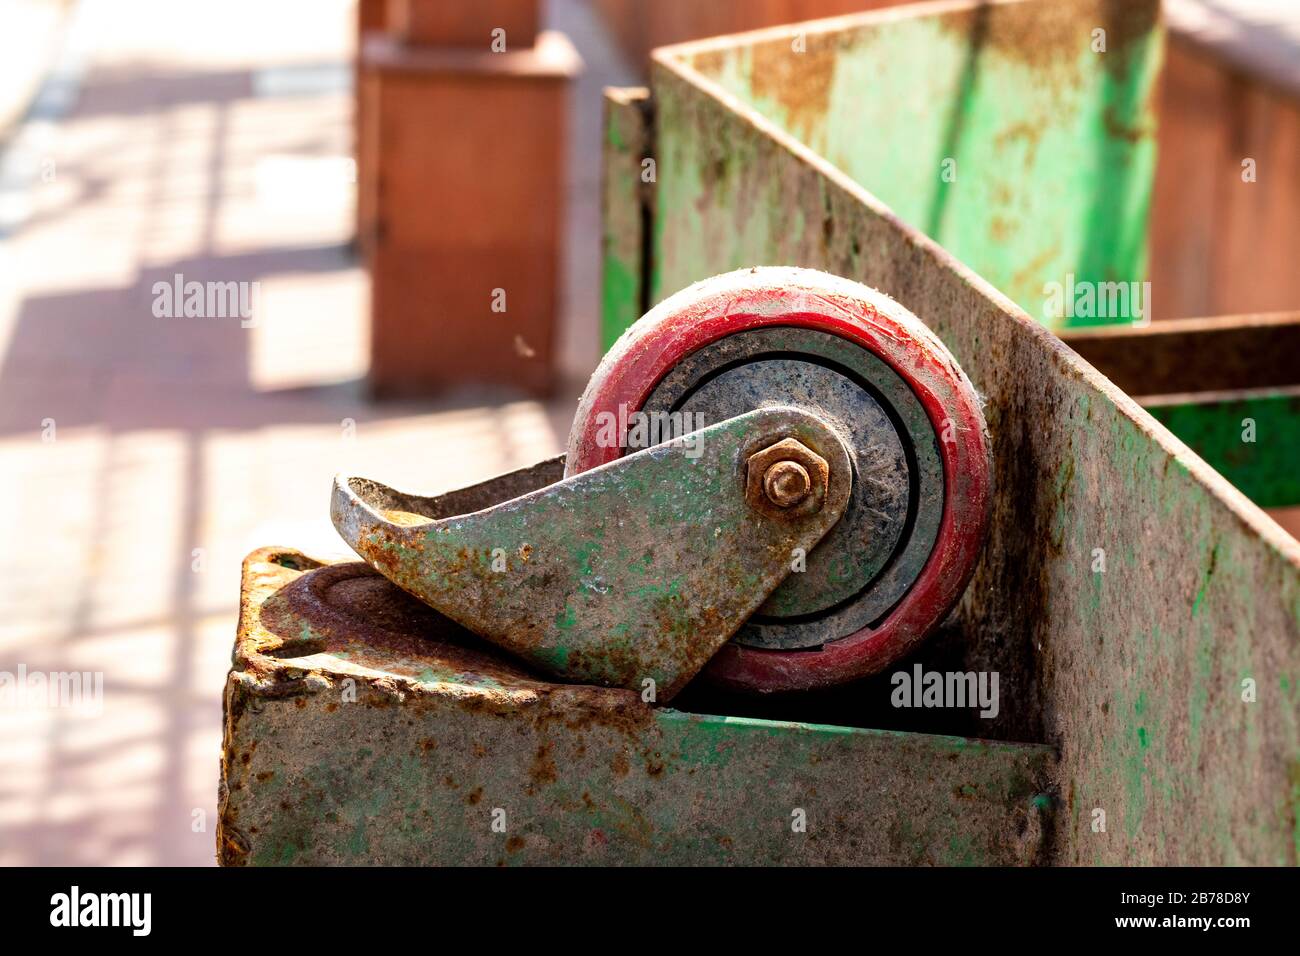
{"x":632,"y":575}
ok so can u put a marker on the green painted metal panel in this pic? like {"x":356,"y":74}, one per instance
{"x":1020,"y":136}
{"x":626,"y":187}
{"x":389,"y":740}
{"x":1142,"y":616}
{"x":1252,"y":439}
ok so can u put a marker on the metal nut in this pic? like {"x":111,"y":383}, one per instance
{"x":786,"y":483}
{"x":786,"y":478}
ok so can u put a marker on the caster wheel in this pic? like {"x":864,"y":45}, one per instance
{"x":905,"y":548}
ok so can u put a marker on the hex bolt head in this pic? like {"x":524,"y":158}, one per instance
{"x":786,"y":479}
{"x":786,"y":483}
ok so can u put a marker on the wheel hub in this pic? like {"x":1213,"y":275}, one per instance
{"x":866,"y":564}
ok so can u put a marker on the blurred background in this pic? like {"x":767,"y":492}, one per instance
{"x":142,"y":456}
{"x":245,"y":246}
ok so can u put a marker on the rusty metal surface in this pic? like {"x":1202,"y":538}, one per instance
{"x":786,"y":479}
{"x":362,"y":728}
{"x":1127,"y":591}
{"x":784,"y":483}
{"x":628,"y":575}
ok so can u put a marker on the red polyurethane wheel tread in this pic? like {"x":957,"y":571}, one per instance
{"x":756,"y":298}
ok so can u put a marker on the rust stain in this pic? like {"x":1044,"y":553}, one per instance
{"x":619,"y":764}
{"x":1119,"y":128}
{"x":1031,"y":134}
{"x":799,"y":81}
{"x":1050,"y":37}
{"x":543,"y":771}
{"x":708,"y":62}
